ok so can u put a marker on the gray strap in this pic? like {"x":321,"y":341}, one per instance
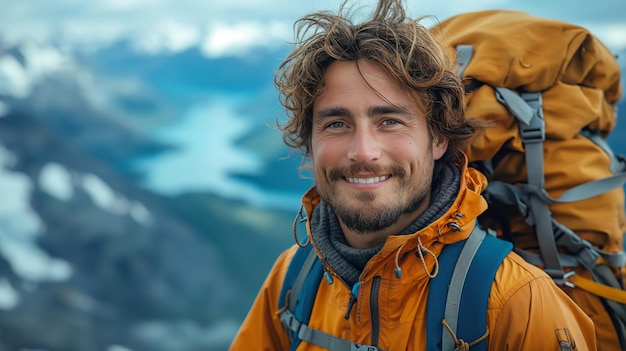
{"x":582,"y":191}
{"x":533,"y":136}
{"x":330,"y":342}
{"x":586,"y":252}
{"x":457,"y":281}
{"x":535,"y":258}
{"x":289,"y":320}
{"x":516,"y":105}
{"x":596,"y":187}
{"x":618,"y":164}
{"x":464,"y":55}
{"x":573,"y":260}
{"x":320,"y":338}
{"x":508,"y":194}
{"x":304,"y":271}
{"x":583,"y":253}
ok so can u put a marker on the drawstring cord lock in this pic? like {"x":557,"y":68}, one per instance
{"x":398,"y":272}
{"x":329,"y":277}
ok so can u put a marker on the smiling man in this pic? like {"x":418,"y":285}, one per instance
{"x":373,"y":156}
{"x":382,"y":118}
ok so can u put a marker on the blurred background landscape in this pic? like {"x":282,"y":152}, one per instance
{"x":144,"y":188}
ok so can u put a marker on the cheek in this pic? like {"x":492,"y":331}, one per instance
{"x":324,"y":150}
{"x":321,"y":155}
{"x":407,"y":148}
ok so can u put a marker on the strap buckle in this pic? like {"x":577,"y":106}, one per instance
{"x":290,"y":321}
{"x":535,"y":130}
{"x":565,"y":280}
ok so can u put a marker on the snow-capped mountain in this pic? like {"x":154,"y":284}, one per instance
{"x":92,"y":257}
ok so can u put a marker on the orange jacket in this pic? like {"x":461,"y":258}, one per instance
{"x":526,"y":310}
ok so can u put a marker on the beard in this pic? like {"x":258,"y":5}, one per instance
{"x":368,"y":216}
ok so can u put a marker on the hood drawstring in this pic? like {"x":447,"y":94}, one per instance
{"x":299,"y":219}
{"x":454,"y":227}
{"x":420,"y":252}
{"x":461,"y":344}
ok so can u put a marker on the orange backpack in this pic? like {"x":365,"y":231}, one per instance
{"x":549,"y":90}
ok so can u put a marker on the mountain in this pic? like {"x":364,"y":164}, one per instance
{"x":91,"y":258}
{"x":96,"y":255}
{"x":131,"y":267}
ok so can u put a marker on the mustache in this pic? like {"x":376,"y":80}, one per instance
{"x":354,"y":169}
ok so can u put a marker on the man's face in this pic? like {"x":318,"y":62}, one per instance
{"x":372,"y":156}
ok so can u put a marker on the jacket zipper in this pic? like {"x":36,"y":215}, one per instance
{"x":374,"y":310}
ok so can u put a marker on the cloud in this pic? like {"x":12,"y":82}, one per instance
{"x":168,"y":36}
{"x":612,"y":35}
{"x":233,"y":27}
{"x":240,"y":38}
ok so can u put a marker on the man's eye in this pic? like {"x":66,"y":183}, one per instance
{"x":335,"y":125}
{"x":390,"y":122}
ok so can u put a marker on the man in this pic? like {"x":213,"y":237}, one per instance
{"x":381,"y":116}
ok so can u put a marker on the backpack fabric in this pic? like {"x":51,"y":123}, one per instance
{"x":463,"y":306}
{"x":548,"y":91}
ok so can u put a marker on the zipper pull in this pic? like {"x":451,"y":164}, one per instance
{"x":353,"y":298}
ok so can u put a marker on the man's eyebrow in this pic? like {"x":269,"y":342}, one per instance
{"x":332,"y":112}
{"x":385,"y":109}
{"x":373,"y":111}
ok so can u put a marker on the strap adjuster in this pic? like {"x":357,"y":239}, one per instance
{"x":564,"y":280}
{"x":534,"y":132}
{"x":290,"y":321}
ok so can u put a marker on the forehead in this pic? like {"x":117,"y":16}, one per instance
{"x":364,"y":82}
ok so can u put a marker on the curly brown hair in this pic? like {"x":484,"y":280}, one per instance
{"x":401,"y":46}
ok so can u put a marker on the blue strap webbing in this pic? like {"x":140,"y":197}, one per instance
{"x":437,"y":294}
{"x":472,"y":309}
{"x":301,"y":304}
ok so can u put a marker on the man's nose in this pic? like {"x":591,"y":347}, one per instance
{"x":364,"y":146}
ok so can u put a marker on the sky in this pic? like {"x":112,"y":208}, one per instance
{"x":232,"y":27}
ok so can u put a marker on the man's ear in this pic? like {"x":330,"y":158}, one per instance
{"x":440,"y":146}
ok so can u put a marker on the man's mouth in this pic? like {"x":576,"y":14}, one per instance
{"x":370,"y":180}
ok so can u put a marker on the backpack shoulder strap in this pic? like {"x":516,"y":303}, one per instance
{"x":296,"y":299}
{"x":463,"y":306}
{"x":298,"y":292}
